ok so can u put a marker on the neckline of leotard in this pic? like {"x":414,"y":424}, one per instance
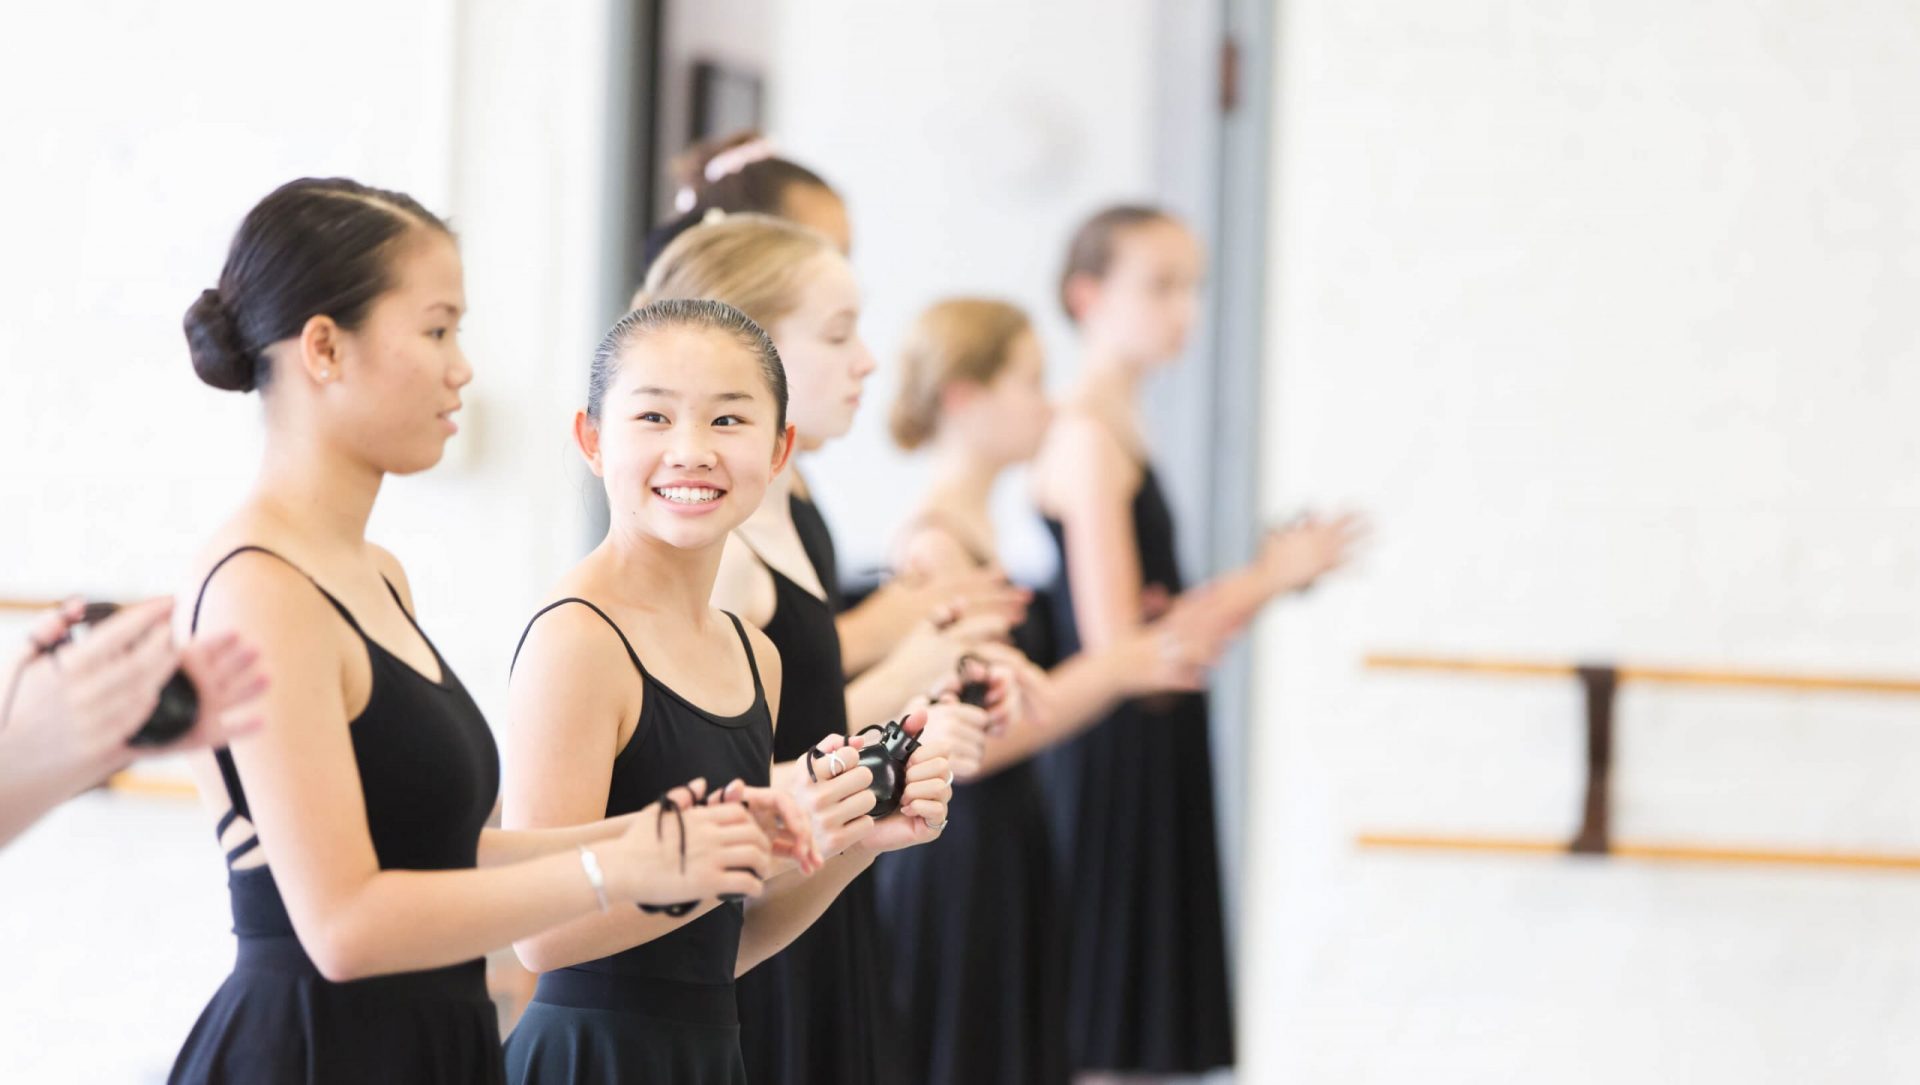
{"x":445,"y":682}
{"x":739,"y":719}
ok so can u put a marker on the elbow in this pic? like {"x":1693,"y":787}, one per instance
{"x":338,"y":957}
{"x":537,"y":957}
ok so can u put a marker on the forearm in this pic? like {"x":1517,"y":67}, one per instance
{"x":409,"y":920}
{"x":1236,"y":598}
{"x":33,"y":782}
{"x":869,"y":631}
{"x":499,"y":847}
{"x":879,"y":694}
{"x":1079,"y":693}
{"x":599,"y":935}
{"x":790,"y":905}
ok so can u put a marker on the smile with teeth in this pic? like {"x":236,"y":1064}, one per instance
{"x":689,"y":495}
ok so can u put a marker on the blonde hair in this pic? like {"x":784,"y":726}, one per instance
{"x":959,"y":339}
{"x":751,"y":262}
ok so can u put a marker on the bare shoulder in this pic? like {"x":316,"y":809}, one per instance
{"x":572,"y":639}
{"x":1082,"y":460}
{"x":262,"y":595}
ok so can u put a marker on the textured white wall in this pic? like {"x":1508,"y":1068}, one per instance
{"x":1606,"y":313}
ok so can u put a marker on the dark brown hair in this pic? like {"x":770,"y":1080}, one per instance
{"x":312,"y":247}
{"x":702,"y":314}
{"x":758,"y":186}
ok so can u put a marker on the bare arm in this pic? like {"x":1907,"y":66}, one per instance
{"x":1091,"y":482}
{"x":868,"y":630}
{"x":790,"y":906}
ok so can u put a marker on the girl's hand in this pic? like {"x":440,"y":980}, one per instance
{"x":80,"y":703}
{"x":923,"y":805}
{"x":680,"y":850}
{"x":1302,"y":552}
{"x":834,"y":794}
{"x":779,"y":816}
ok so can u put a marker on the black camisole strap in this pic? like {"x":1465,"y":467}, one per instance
{"x":624,"y":642}
{"x":759,"y":691}
{"x":194,"y":625}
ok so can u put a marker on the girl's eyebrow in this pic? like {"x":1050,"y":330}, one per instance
{"x":668,"y":393}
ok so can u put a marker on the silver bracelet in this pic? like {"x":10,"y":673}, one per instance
{"x":591,"y":864}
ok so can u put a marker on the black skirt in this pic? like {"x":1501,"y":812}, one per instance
{"x":276,"y":1019}
{"x":593,"y":1028}
{"x":817,"y":1011}
{"x":1132,"y":805}
{"x":976,"y":933}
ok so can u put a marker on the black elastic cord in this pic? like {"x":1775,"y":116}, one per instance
{"x":659,"y":833}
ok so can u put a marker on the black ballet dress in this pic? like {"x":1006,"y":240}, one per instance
{"x":976,"y":929}
{"x":817,"y":1011}
{"x":429,"y":772}
{"x":1132,"y":802}
{"x":664,"y":1010}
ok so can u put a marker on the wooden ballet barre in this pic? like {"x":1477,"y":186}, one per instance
{"x":1672,"y":676}
{"x":1600,"y":683}
{"x":1649,"y":850}
{"x":28,"y":605}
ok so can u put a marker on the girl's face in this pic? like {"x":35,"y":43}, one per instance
{"x":1147,"y":302}
{"x":827,"y":363}
{"x":1004,"y":420}
{"x":390,"y":387}
{"x":687,"y":439}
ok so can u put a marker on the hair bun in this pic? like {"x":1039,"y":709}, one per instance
{"x":214,"y":343}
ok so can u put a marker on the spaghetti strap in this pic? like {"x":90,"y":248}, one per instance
{"x":759,"y":691}
{"x":624,"y":642}
{"x":194,"y":625}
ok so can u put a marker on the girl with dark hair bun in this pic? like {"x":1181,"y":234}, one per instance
{"x":1147,"y":985}
{"x":364,"y":884}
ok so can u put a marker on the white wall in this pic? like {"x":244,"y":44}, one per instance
{"x":968,"y":139}
{"x":124,"y":188}
{"x":1606,"y":313}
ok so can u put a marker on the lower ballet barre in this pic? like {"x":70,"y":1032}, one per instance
{"x":1600,"y":682}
